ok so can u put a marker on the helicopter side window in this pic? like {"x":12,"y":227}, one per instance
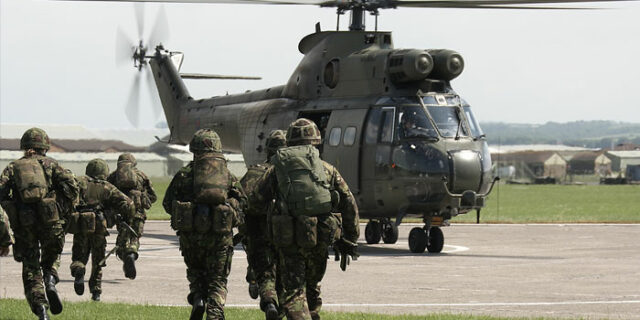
{"x":373,"y":123}
{"x":386,"y":134}
{"x":334,"y":136}
{"x":349,"y":136}
{"x":476,"y":131}
{"x":448,"y":121}
{"x":413,"y":123}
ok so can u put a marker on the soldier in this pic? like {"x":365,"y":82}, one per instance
{"x":306,"y":191}
{"x":38,"y":194}
{"x":204,"y":201}
{"x":137,"y":186}
{"x":261,"y":254}
{"x":6,"y":238}
{"x":98,"y":198}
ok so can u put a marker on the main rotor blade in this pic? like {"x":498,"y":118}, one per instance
{"x":379,"y":3}
{"x":138,"y":7}
{"x":160,"y":31}
{"x":132,"y":109}
{"x":124,"y":48}
{"x":156,"y":104}
{"x":493,"y":4}
{"x":216,"y":76}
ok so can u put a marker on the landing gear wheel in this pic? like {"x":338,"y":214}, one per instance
{"x":389,"y":233}
{"x":436,"y":240}
{"x":372,"y":232}
{"x":417,"y":240}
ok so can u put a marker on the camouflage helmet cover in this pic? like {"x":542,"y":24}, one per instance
{"x":205,"y":140}
{"x":97,"y":169}
{"x":35,"y":138}
{"x":127,"y":157}
{"x":303,"y":131}
{"x":275,"y":140}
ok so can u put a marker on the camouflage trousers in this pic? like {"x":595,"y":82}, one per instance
{"x":128,"y":243}
{"x":208,"y":259}
{"x":262,"y":262}
{"x":39,"y":249}
{"x":300,"y":272}
{"x":83,"y":246}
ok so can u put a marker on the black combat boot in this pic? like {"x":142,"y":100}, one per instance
{"x":52,"y":294}
{"x":41,"y":312}
{"x":197,"y":308}
{"x":78,"y":282}
{"x":271,"y":312}
{"x":95,"y":296}
{"x":254,"y":290}
{"x":129,"y":266}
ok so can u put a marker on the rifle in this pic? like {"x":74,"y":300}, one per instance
{"x":103,"y":262}
{"x":121,"y":223}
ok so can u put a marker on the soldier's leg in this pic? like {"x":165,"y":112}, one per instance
{"x":51,"y":244}
{"x":194,"y":260}
{"x":291,"y":271}
{"x":79,"y":257}
{"x":26,"y":251}
{"x":316,"y":268}
{"x":98,"y":247}
{"x":128,"y":245}
{"x":219,"y":266}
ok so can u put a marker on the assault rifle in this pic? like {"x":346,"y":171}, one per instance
{"x":125,"y":225}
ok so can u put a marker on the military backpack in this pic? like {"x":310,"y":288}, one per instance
{"x":210,"y":179}
{"x":31,"y":182}
{"x":125,"y":176}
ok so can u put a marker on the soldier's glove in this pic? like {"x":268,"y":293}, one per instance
{"x":237,"y":238}
{"x":345,"y":250}
{"x":4,"y":251}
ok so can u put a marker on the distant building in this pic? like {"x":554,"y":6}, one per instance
{"x":533,"y":164}
{"x":589,"y":162}
{"x":621,"y":159}
{"x":82,"y":145}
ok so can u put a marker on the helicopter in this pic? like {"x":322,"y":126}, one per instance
{"x":405,"y":141}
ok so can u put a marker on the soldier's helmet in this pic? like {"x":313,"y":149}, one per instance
{"x":35,"y":138}
{"x":303,"y":131}
{"x":275,"y":140}
{"x":127,"y":157}
{"x":205,"y":140}
{"x":97,"y":169}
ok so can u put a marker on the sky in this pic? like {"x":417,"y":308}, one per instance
{"x":57,"y":59}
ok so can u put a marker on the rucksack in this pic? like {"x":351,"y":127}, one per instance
{"x":31,"y":182}
{"x":210,"y":179}
{"x":302,"y":183}
{"x":125,"y":176}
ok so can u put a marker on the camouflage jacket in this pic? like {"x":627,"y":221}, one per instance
{"x":267,"y":188}
{"x":6,"y":238}
{"x":96,"y":192}
{"x":249,"y":182}
{"x":60,"y":182}
{"x":143,"y":185}
{"x":181,"y":189}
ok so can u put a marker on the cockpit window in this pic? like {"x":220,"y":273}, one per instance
{"x":448,"y":121}
{"x":476,"y":131}
{"x":413,"y":123}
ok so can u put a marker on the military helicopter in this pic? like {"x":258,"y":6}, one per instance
{"x":406,"y":143}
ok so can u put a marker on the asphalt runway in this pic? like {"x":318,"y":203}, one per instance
{"x":565,"y":271}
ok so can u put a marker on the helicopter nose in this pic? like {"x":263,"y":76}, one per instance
{"x":466,"y":171}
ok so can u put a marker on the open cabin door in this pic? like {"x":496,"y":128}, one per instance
{"x":341,"y":145}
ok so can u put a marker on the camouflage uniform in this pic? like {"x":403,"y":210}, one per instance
{"x":38,"y":244}
{"x":301,"y":270}
{"x":261,"y":254}
{"x":96,"y":195}
{"x":128,"y":243}
{"x":206,"y":253}
{"x":6,"y":237}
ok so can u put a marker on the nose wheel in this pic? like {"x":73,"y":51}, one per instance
{"x":420,"y":239}
{"x":383,"y":229}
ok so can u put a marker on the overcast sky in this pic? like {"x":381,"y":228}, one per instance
{"x":57,"y":59}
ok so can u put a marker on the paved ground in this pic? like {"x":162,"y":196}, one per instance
{"x":589,"y":271}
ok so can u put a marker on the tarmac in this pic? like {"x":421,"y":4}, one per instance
{"x":589,"y":271}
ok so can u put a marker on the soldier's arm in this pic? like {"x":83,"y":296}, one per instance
{"x":238,"y":201}
{"x":120,"y":202}
{"x":265,"y":189}
{"x":6,"y":182}
{"x":347,"y":206}
{"x":174,"y":190}
{"x":6,"y":238}
{"x":64,"y":181}
{"x":148,"y":188}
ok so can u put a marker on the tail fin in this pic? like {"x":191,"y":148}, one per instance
{"x":172,"y":90}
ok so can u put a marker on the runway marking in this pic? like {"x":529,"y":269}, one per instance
{"x":470,"y":304}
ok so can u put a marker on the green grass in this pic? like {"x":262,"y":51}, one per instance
{"x":560,"y":203}
{"x":15,"y":309}
{"x":527,"y":204}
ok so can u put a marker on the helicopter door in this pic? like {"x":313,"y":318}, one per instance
{"x":342,"y":144}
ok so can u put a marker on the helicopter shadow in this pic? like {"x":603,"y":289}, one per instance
{"x":368,"y":250}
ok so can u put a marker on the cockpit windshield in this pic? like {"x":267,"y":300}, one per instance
{"x":476,"y":131}
{"x":448,"y":121}
{"x":413,"y":123}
